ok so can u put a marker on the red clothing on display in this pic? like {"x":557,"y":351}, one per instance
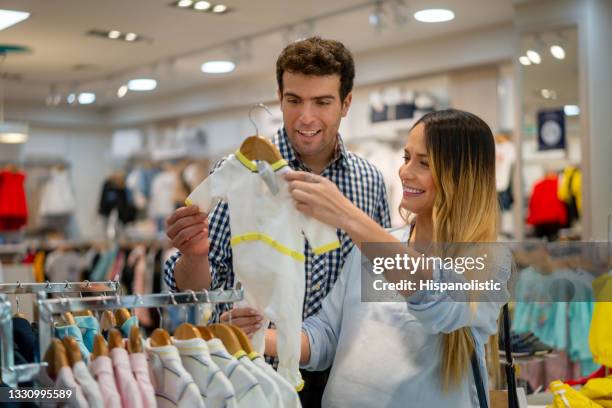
{"x":13,"y":206}
{"x":544,"y":204}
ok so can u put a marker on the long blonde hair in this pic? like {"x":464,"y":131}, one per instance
{"x":461,"y":152}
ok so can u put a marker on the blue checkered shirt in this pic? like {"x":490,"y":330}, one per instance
{"x":357,"y":179}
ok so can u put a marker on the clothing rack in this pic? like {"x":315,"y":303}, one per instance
{"x":13,"y":374}
{"x":47,"y":308}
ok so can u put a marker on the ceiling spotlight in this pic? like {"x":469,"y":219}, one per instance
{"x":219,"y":8}
{"x":86,"y":98}
{"x":434,"y":15}
{"x":131,"y":37}
{"x":184,"y":3}
{"x":71,"y":98}
{"x":218,"y":67}
{"x":201,"y":5}
{"x":571,"y":110}
{"x":376,"y":18}
{"x":122,"y":91}
{"x":142,"y":84}
{"x":557,"y":51}
{"x":524,"y":60}
{"x":534,"y":57}
{"x":114,"y":34}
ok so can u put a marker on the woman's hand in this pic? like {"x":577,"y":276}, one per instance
{"x":318,"y":197}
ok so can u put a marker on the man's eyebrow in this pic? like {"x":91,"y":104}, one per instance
{"x":291,"y":94}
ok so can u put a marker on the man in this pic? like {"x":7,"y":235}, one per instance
{"x":315,"y":81}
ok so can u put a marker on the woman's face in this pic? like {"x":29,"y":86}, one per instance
{"x":415,"y":174}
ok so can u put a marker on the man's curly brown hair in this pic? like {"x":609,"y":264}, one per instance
{"x":317,"y":56}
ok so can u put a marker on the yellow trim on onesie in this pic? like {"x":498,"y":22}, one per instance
{"x":188,"y":202}
{"x":258,"y":236}
{"x":253,"y":355}
{"x":300,"y":386}
{"x":326,"y":248}
{"x":239,"y":354}
{"x":253,"y":167}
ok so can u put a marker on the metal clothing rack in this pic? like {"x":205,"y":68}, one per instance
{"x":47,"y":308}
{"x":13,"y":374}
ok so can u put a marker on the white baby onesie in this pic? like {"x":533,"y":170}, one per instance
{"x":268,"y":249}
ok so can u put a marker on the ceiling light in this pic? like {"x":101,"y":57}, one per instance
{"x":71,"y":98}
{"x":114,"y":34}
{"x":557,"y":51}
{"x":86,"y":98}
{"x":201,"y":5}
{"x":219,"y":8}
{"x":13,"y":132}
{"x":142,"y":84}
{"x":184,"y":3}
{"x":218,"y":67}
{"x":523,"y":59}
{"x":11,"y":17}
{"x":122,"y":91}
{"x":434,"y":15}
{"x":571,"y":110}
{"x":131,"y":37}
{"x":534,"y":56}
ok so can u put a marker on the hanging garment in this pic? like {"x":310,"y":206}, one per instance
{"x":599,"y":390}
{"x":570,"y":192}
{"x":102,"y":370}
{"x":249,"y":392}
{"x":268,"y":249}
{"x":63,"y":266}
{"x":89,"y":326}
{"x":216,"y":389}
{"x":565,"y":396}
{"x":13,"y":205}
{"x":140,"y":369}
{"x":25,"y":340}
{"x":126,"y":383}
{"x":174,"y":386}
{"x":161,"y":203}
{"x":88,"y":384}
{"x":65,"y":379}
{"x":600,"y":334}
{"x":114,"y":196}
{"x":289,"y":395}
{"x":73,"y":331}
{"x":544,"y":205}
{"x":269,"y":386}
{"x":57,"y":197}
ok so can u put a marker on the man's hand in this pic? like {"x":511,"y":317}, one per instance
{"x":248,"y":319}
{"x":187,"y":228}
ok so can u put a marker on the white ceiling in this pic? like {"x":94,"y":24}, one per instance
{"x":182,"y":40}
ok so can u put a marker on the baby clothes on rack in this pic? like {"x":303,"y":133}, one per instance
{"x":88,"y":384}
{"x":126,"y":383}
{"x":288,"y":394}
{"x":140,"y":369}
{"x":268,"y":249}
{"x":102,"y":370}
{"x":269,"y":386}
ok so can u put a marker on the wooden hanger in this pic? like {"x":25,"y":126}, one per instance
{"x":186,"y":331}
{"x":260,"y":148}
{"x":68,"y":319}
{"x":159,"y":338}
{"x":205,"y":333}
{"x":107,"y":321}
{"x":135,"y":342}
{"x":115,"y":339}
{"x":83,"y":313}
{"x":100,"y":348}
{"x":245,"y":343}
{"x":121,"y":316}
{"x":73,"y":352}
{"x":227,"y":336}
{"x":56,"y":358}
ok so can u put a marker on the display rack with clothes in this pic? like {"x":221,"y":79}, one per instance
{"x":212,"y":366}
{"x":22,"y":366}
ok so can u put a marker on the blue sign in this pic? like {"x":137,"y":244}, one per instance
{"x":551,"y":130}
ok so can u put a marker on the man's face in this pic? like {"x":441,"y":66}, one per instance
{"x":312,"y":111}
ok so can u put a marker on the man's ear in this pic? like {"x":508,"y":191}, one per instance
{"x":346,"y":104}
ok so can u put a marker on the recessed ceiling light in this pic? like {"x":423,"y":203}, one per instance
{"x":434,"y":15}
{"x":131,"y":37}
{"x":13,"y":132}
{"x":85,"y":98}
{"x":201,"y":5}
{"x":218,"y":67}
{"x":184,"y":3}
{"x":142,"y":84}
{"x":523,"y":59}
{"x":557,"y":51}
{"x":71,"y":98}
{"x":11,"y":17}
{"x":534,"y":56}
{"x":219,"y":8}
{"x":114,"y":34}
{"x":122,"y":91}
{"x":571,"y":110}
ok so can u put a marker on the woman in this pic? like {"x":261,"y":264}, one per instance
{"x":416,"y":352}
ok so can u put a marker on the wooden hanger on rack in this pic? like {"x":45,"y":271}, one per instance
{"x":159,"y":338}
{"x":245,"y":343}
{"x":115,"y":339}
{"x":83,"y":313}
{"x":205,"y":333}
{"x":56,"y":358}
{"x":186,"y":331}
{"x":227,"y":336}
{"x":135,"y":342}
{"x":107,"y":321}
{"x":100,"y":348}
{"x":68,"y":319}
{"x":73,"y":352}
{"x":121,"y":316}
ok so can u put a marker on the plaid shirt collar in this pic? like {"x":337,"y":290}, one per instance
{"x":288,"y":152}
